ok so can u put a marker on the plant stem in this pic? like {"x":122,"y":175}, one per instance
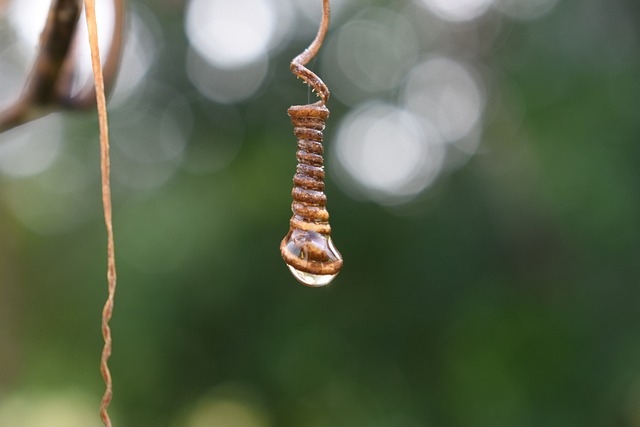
{"x":106,"y":202}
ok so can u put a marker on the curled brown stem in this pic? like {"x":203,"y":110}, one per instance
{"x":298,"y":64}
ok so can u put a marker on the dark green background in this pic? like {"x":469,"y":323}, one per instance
{"x":505,"y":295}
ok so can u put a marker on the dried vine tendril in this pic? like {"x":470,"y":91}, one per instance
{"x":48,"y":87}
{"x":106,"y":202}
{"x":308,"y":249}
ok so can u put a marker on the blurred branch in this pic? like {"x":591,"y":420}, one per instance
{"x":87,"y":96}
{"x":49,"y":84}
{"x":39,"y":92}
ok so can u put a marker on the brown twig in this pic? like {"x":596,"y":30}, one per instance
{"x":40,"y":90}
{"x":48,"y":86}
{"x":106,"y":202}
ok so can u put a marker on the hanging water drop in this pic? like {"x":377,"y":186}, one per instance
{"x":308,"y":249}
{"x":311,"y":256}
{"x":313,"y":280}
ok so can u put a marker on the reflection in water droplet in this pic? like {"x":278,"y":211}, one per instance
{"x":311,"y":257}
{"x":315,"y":280}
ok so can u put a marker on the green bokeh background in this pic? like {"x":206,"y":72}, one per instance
{"x":504,"y":295}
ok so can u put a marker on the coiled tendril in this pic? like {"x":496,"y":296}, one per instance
{"x":308,"y":249}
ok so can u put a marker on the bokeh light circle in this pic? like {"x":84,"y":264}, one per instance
{"x":55,"y":201}
{"x":106,"y":26}
{"x":525,"y":9}
{"x":223,"y":85}
{"x":13,"y":77}
{"x":228,"y":405}
{"x":61,"y":409}
{"x":445,"y":93}
{"x":27,"y":17}
{"x":149,"y":135}
{"x":143,"y":40}
{"x":386,"y":153}
{"x":28,"y":151}
{"x":230,"y":34}
{"x":370,"y":55}
{"x":458,"y":10}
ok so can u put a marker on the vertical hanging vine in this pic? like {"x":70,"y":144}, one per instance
{"x":48,"y":88}
{"x":106,"y":202}
{"x":308,"y":249}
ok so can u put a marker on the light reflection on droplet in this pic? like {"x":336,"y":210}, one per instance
{"x":446,"y":94}
{"x":372,"y":54}
{"x":525,"y":9}
{"x":230,"y":34}
{"x":311,"y":256}
{"x":226,"y":86}
{"x":388,"y":153}
{"x":313,"y":280}
{"x":458,"y":10}
{"x":29,"y":150}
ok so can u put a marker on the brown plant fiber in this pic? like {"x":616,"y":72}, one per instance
{"x":106,"y":202}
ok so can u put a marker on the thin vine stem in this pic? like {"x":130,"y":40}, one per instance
{"x":106,"y":202}
{"x":298,"y":64}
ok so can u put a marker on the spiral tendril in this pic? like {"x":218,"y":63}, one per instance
{"x":307,"y":248}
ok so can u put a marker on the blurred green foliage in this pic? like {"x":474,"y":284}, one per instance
{"x":505,"y":295}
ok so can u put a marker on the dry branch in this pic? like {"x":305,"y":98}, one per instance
{"x":48,"y":86}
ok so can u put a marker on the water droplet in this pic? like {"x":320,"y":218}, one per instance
{"x":313,"y":280}
{"x":311,"y":256}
